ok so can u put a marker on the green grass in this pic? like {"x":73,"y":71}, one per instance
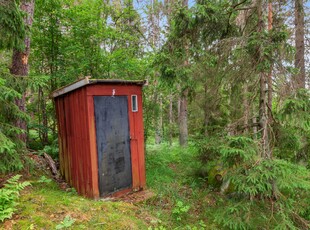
{"x":44,"y":206}
{"x":170,"y":175}
{"x":180,"y":200}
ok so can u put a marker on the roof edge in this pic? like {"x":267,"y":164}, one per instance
{"x":87,"y":81}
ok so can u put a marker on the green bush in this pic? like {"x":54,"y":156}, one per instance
{"x":9,"y":112}
{"x":268,"y":194}
{"x":259,"y":193}
{"x":9,"y":195}
{"x":292,"y":129}
{"x":66,"y":223}
{"x":180,"y":210}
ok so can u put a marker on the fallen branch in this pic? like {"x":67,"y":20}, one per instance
{"x":52,"y":165}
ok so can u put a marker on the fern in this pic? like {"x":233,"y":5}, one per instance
{"x":9,"y":195}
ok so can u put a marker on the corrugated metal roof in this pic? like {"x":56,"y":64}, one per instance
{"x":88,"y":81}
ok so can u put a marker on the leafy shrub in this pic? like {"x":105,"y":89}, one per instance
{"x":180,"y":210}
{"x":9,"y":195}
{"x":52,"y":149}
{"x":66,"y":223}
{"x":43,"y":179}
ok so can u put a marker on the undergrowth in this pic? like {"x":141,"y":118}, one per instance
{"x":258,"y":193}
{"x":181,"y":197}
{"x":9,"y":195}
{"x":45,"y":206}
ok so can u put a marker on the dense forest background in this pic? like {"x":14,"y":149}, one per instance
{"x":228,"y":77}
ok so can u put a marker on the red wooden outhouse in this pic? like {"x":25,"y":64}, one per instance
{"x":101,"y":137}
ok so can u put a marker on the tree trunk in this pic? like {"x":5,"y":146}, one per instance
{"x":44,"y":132}
{"x":159,"y":122}
{"x":269,"y":82}
{"x":246,"y":108}
{"x":206,"y":110}
{"x":300,"y":78}
{"x":183,"y":135}
{"x":170,"y":118}
{"x":20,"y":66}
{"x":263,"y":103}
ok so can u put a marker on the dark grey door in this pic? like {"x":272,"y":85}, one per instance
{"x":113,"y":143}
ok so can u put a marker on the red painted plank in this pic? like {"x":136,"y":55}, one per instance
{"x":59,"y":116}
{"x":140,"y":135}
{"x":133,"y":146}
{"x":93,"y":146}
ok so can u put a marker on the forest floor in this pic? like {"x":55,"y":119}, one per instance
{"x":174,"y":199}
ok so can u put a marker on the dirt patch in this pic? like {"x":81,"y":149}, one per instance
{"x":8,"y":224}
{"x":4,"y":178}
{"x":135,"y":197}
{"x":173,"y":166}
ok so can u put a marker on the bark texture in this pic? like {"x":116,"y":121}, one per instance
{"x":300,"y":78}
{"x":183,"y":136}
{"x":20,"y":66}
{"x":263,"y":101}
{"x":170,"y":119}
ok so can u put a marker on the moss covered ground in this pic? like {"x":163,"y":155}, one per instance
{"x":179,"y":202}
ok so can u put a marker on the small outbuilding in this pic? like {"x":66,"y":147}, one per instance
{"x":101,"y":136}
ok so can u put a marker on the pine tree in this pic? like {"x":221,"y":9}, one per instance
{"x":20,"y":65}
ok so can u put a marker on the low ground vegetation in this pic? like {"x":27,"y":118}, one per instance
{"x":187,"y":195}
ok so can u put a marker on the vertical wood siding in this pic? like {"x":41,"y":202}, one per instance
{"x":77,"y":136}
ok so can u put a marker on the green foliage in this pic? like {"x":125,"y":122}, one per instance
{"x":237,"y":150}
{"x":217,"y":154}
{"x":46,"y":205}
{"x":292,"y":132}
{"x":66,"y":223}
{"x":9,"y":196}
{"x":260,"y":192}
{"x":53,"y":149}
{"x":10,"y":159}
{"x":269,"y":194}
{"x":180,"y":210}
{"x":158,"y":163}
{"x":43,"y":179}
{"x":9,"y":112}
{"x":11,"y":25}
